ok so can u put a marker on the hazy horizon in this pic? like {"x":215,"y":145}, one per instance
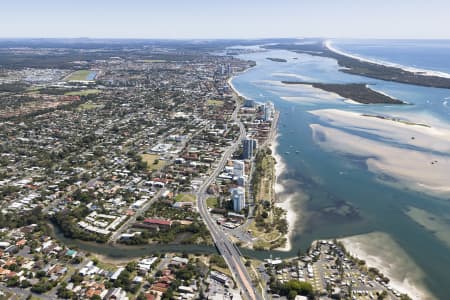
{"x":199,"y":19}
{"x":215,"y":39}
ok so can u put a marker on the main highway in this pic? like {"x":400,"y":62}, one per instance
{"x":226,"y":248}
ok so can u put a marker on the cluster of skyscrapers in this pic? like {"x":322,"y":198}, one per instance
{"x":249,"y":146}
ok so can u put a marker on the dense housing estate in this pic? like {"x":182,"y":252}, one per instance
{"x":116,"y":146}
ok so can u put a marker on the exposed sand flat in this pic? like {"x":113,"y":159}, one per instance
{"x":379,"y":250}
{"x":292,"y":75}
{"x":308,"y":90}
{"x":309,"y":94}
{"x":425,"y":134}
{"x":349,"y":101}
{"x":359,"y":92}
{"x":439,"y":226}
{"x":417,"y":170}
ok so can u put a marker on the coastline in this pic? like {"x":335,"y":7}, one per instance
{"x":286,"y":204}
{"x":380,"y":251}
{"x":280,"y":167}
{"x":404,"y":276}
{"x":230,"y":82}
{"x":405,"y":130}
{"x":418,"y":71}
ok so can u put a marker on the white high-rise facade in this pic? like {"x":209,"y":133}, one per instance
{"x":238,"y":198}
{"x":238,"y":168}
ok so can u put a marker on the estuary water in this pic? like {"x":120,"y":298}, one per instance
{"x":351,"y":175}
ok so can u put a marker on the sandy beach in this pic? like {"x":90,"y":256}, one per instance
{"x":289,"y":198}
{"x":230,"y":82}
{"x":330,"y":47}
{"x":415,"y":155}
{"x":379,"y":250}
{"x":285,"y":202}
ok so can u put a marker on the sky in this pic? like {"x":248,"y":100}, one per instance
{"x":181,"y":19}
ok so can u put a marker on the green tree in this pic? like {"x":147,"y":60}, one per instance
{"x":64,"y":293}
{"x":131,"y":266}
{"x":25,"y":284}
{"x":13,"y":281}
{"x":292,"y":294}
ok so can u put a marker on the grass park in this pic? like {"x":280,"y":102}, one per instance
{"x":83,"y":92}
{"x":185,"y":198}
{"x":212,"y":202}
{"x":151,"y":61}
{"x":87,"y":106}
{"x":154,"y":163}
{"x":212,"y":102}
{"x":80,"y":75}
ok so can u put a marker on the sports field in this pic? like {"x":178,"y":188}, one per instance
{"x":82,"y":75}
{"x":82,"y":92}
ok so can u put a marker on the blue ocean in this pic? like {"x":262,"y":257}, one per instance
{"x":337,"y":186}
{"x":431,"y":55}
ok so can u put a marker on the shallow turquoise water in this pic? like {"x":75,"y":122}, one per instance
{"x":329,"y":179}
